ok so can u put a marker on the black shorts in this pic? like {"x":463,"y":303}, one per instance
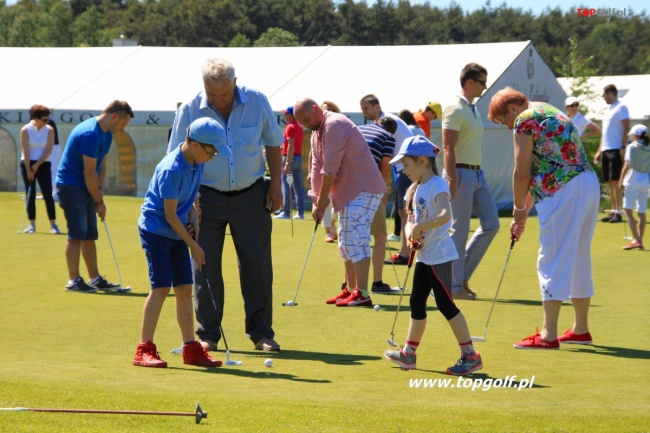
{"x":403,"y":183}
{"x":612,"y":165}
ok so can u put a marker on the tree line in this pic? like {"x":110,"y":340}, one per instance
{"x":618,"y":45}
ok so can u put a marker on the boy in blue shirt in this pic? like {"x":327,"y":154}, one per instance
{"x":171,"y":205}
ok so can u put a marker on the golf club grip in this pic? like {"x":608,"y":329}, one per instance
{"x":411,"y":258}
{"x":512,"y":243}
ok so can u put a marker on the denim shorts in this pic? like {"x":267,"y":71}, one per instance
{"x":168,"y":260}
{"x":79,"y":210}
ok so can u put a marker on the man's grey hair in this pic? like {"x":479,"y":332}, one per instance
{"x":216,"y":70}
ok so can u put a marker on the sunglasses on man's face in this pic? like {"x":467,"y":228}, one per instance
{"x":482,"y":82}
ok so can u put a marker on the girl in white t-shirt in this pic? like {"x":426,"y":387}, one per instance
{"x":635,"y":181}
{"x":429,"y":225}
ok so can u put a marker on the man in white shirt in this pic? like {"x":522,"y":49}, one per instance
{"x":616,"y":125}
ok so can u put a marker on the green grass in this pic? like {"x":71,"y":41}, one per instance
{"x":68,"y":350}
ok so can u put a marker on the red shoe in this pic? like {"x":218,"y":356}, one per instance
{"x":633,"y":245}
{"x":195,"y":354}
{"x":356,"y":299}
{"x":344,"y":294}
{"x":570,"y":338}
{"x":147,"y":356}
{"x":397,"y":259}
{"x":536,"y":342}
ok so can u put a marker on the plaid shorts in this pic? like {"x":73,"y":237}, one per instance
{"x":354,"y":226}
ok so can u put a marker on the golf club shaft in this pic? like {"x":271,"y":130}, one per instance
{"x":496,"y":294}
{"x":29,"y":189}
{"x":401,"y":295}
{"x":120,"y":412}
{"x":223,"y":335}
{"x":306,"y":258}
{"x":108,"y":235}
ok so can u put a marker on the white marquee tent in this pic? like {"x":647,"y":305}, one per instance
{"x":79,"y":82}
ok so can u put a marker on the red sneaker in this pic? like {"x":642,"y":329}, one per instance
{"x":195,"y":354}
{"x":344,"y":294}
{"x":147,"y":356}
{"x":633,"y":245}
{"x":356,"y":299}
{"x":536,"y":342}
{"x":570,"y":338}
{"x":397,"y":259}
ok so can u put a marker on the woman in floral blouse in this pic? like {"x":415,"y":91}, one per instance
{"x":552,"y":173}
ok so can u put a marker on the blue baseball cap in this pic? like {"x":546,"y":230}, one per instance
{"x":288,"y":110}
{"x":208,"y":131}
{"x":416,"y":145}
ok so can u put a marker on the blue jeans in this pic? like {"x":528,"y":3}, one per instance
{"x":298,"y":189}
{"x":472,"y":195}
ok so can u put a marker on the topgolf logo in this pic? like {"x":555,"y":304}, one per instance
{"x":602,"y":12}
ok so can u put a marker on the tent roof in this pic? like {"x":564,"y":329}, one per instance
{"x":156,"y":78}
{"x":632,"y":91}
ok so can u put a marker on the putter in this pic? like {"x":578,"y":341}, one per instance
{"x":290,"y":183}
{"x":119,"y":274}
{"x":391,"y":340}
{"x":22,"y":224}
{"x":228,"y":361}
{"x":198,"y":414}
{"x":293,"y":302}
{"x":484,"y":337}
{"x":390,"y":250}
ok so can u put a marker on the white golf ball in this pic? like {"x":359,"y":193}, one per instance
{"x":290,"y":303}
{"x":377,"y":307}
{"x":268,"y":363}
{"x":128,"y":287}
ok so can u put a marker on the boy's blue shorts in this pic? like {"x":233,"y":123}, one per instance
{"x":168,"y":260}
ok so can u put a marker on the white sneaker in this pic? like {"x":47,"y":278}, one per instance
{"x":393,"y":238}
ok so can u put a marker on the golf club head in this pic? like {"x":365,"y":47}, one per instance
{"x":479,"y":339}
{"x":392,"y":343}
{"x":124,"y":289}
{"x":289,"y":304}
{"x":229,"y":362}
{"x":200,"y":414}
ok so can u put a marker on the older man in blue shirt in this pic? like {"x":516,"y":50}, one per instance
{"x":234,"y":192}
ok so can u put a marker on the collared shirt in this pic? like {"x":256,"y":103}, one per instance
{"x":339,"y":150}
{"x":250,"y":127}
{"x":463,"y":117}
{"x":174,"y":179}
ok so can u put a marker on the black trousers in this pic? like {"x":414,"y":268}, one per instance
{"x":250,"y":227}
{"x":44,"y":178}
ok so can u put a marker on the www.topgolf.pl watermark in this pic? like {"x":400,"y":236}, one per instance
{"x":473,"y":383}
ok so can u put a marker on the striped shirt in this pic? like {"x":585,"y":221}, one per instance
{"x":381,"y":143}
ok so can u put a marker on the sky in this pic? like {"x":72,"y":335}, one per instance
{"x":536,"y":6}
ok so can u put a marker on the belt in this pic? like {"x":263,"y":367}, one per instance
{"x":469,"y":166}
{"x":240,"y":191}
{"x":293,"y":154}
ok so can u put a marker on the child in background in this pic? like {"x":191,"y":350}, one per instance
{"x":635,"y":181}
{"x":428,"y":230}
{"x":170,"y":205}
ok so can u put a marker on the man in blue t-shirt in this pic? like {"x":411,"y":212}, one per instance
{"x":78,"y":181}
